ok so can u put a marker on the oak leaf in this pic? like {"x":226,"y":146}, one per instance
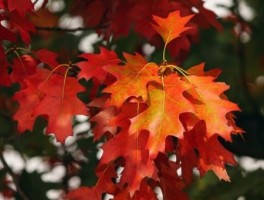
{"x":21,"y":25}
{"x":137,"y":166}
{"x":28,"y":99}
{"x":165,"y":104}
{"x":94,"y":66}
{"x":170,"y":182}
{"x":132,"y":79}
{"x":6,"y":34}
{"x":60,"y":104}
{"x":102,"y":122}
{"x":48,"y":57}
{"x":211,"y":107}
{"x":21,"y":6}
{"x":172,"y":26}
{"x":22,"y":67}
{"x":210,"y":153}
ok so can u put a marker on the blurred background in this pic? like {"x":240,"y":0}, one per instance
{"x":233,"y":43}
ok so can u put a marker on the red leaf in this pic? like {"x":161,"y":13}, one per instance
{"x":28,"y":100}
{"x":211,"y":154}
{"x":5,"y":34}
{"x":20,"y":24}
{"x":204,"y":17}
{"x":137,"y":162}
{"x":60,"y":104}
{"x":171,"y":184}
{"x":104,"y":184}
{"x":94,"y":66}
{"x":48,"y":57}
{"x":21,"y":6}
{"x":82,"y":193}
{"x":22,"y":67}
{"x":102,"y":122}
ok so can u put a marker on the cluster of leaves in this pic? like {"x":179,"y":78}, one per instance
{"x":145,"y":113}
{"x":155,"y":106}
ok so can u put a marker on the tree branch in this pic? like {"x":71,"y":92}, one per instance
{"x":14,"y":177}
{"x":59,"y":29}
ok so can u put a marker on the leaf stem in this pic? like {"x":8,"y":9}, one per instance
{"x":18,"y":56}
{"x":164,"y":51}
{"x":165,"y":47}
{"x":185,"y":74}
{"x":23,"y":49}
{"x":63,"y":87}
{"x":56,"y":68}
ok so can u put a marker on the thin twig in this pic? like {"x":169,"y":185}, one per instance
{"x":14,"y":177}
{"x":59,"y":29}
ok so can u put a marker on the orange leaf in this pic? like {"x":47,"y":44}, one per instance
{"x":214,"y":109}
{"x":161,"y":118}
{"x":172,"y":26}
{"x":132,"y":79}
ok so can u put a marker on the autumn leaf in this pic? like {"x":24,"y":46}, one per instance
{"x":204,"y":17}
{"x":104,"y":184}
{"x":211,"y":154}
{"x":21,"y":25}
{"x":132,"y":79}
{"x":22,"y":67}
{"x":48,"y":57}
{"x":28,"y":99}
{"x":171,"y":183}
{"x":102,"y":122}
{"x":60,"y":104}
{"x":21,"y":6}
{"x":127,"y":111}
{"x":165,"y":104}
{"x":172,"y":26}
{"x":198,"y":70}
{"x":94,"y":66}
{"x":82,"y":193}
{"x":131,"y":147}
{"x":6,"y":34}
{"x":212,"y":108}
